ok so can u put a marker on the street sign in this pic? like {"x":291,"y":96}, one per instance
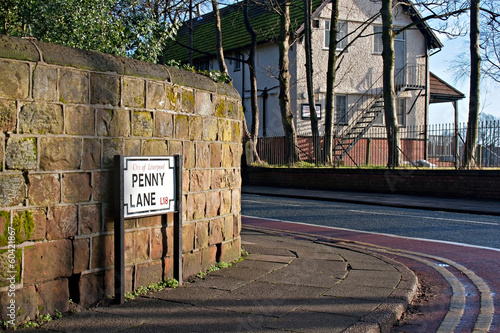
{"x":148,"y":185}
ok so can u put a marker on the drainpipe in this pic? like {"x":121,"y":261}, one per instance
{"x":264,"y":102}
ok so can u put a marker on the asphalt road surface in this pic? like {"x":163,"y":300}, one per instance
{"x":456,"y":257}
{"x":478,"y":230}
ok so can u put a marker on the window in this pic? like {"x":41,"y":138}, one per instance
{"x":203,"y":65}
{"x":377,"y":39}
{"x":401,"y":111}
{"x":237,"y":63}
{"x":315,"y":24}
{"x":340,"y":109}
{"x":341,"y":34}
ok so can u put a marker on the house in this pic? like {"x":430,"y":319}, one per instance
{"x":358,"y":86}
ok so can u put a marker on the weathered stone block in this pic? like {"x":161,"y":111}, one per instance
{"x":21,"y":153}
{"x":191,"y":264}
{"x":79,"y":120}
{"x":164,"y":124}
{"x":73,"y":86}
{"x":44,"y":189}
{"x":142,"y":123}
{"x":91,"y":288}
{"x":218,"y":179}
{"x":91,"y":158}
{"x":10,"y":267}
{"x":228,"y":228}
{"x":156,"y":97}
{"x":210,"y":129}
{"x":40,"y":219}
{"x":111,"y":147}
{"x":136,"y":246}
{"x":202,"y":154}
{"x":168,"y":268}
{"x":25,"y":301}
{"x":216,"y":231}
{"x":104,"y":89}
{"x":230,"y":251}
{"x":14,"y":81}
{"x":202,"y":239}
{"x":187,"y":100}
{"x":147,"y":273}
{"x":133,"y":93}
{"x":103,"y":186}
{"x":81,"y":255}
{"x":175,"y":147}
{"x":188,"y":151}
{"x":236,"y":225}
{"x":173,"y":97}
{"x":40,"y":262}
{"x":213,"y":203}
{"x":236,"y":201}
{"x":60,"y":153}
{"x":103,"y":254}
{"x":215,"y":154}
{"x":45,"y":83}
{"x":52,"y":296}
{"x":132,"y":147}
{"x":195,"y":128}
{"x":181,"y":127}
{"x":151,"y":221}
{"x":225,"y":134}
{"x":208,"y":258}
{"x":12,"y":190}
{"x":8,"y":116}
{"x":90,"y":219}
{"x":203,"y":104}
{"x":76,"y":187}
{"x":62,"y":222}
{"x":227,"y":156}
{"x":196,"y":206}
{"x":188,"y":237}
{"x":115,"y":123}
{"x":200,"y":180}
{"x":155,"y":147}
{"x":159,"y":242}
{"x":109,"y":280}
{"x":226,"y":202}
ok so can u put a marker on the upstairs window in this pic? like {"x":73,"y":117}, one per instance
{"x":401,"y":111}
{"x":341,"y":34}
{"x":340,"y":109}
{"x":237,"y":63}
{"x":377,"y":39}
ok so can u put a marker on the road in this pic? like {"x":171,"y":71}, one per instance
{"x":478,"y":230}
{"x":455,"y":256}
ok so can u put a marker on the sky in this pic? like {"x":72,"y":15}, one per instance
{"x":441,"y":64}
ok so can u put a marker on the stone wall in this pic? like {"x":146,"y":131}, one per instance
{"x":465,"y":184}
{"x":64,"y":114}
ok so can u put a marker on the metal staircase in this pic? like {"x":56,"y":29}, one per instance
{"x":370,"y":106}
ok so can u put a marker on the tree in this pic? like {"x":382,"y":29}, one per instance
{"x":218,"y":38}
{"x":309,"y":79}
{"x":388,"y":83}
{"x":330,"y":82}
{"x":134,"y":28}
{"x":284,"y":82}
{"x":475,"y":77}
{"x":254,"y":132}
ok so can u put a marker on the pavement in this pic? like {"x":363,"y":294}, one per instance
{"x":285,"y":284}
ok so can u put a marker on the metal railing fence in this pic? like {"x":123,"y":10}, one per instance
{"x":444,"y":147}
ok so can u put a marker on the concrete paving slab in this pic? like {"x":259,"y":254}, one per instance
{"x":353,"y":307}
{"x":313,"y":322}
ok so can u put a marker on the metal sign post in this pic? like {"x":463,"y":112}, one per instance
{"x":149,"y":185}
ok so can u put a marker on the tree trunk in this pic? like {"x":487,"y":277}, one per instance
{"x":284,"y":83}
{"x":218,"y":38}
{"x":475,"y":76}
{"x":309,"y":79}
{"x":330,"y":82}
{"x":254,"y":132}
{"x":388,"y":84}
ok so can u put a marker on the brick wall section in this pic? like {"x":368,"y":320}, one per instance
{"x":474,"y":184}
{"x":64,"y":114}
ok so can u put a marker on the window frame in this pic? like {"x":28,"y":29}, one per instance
{"x":401,"y":111}
{"x":342,"y":30}
{"x":378,"y":45}
{"x":341,"y":114}
{"x":237,"y":63}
